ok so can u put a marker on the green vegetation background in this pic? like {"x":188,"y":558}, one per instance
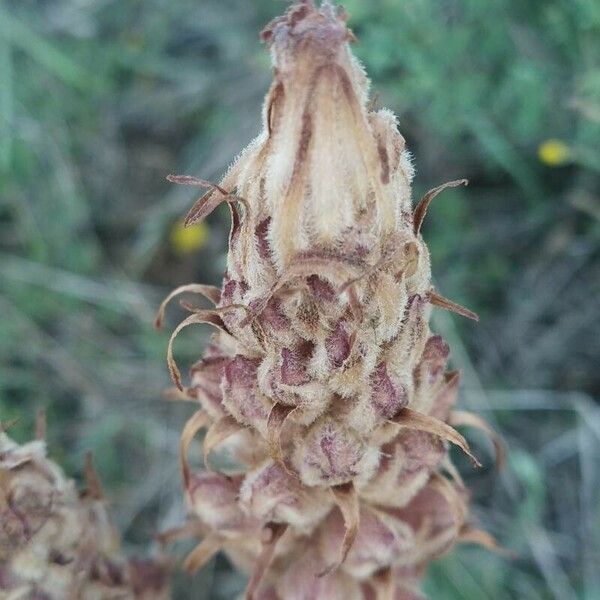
{"x":100,"y":99}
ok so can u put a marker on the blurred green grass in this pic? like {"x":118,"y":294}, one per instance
{"x":99,"y":100}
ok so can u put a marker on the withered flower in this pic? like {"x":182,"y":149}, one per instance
{"x":57,"y":543}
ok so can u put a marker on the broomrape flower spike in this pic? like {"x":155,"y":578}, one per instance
{"x":56,"y":542}
{"x":322,"y":379}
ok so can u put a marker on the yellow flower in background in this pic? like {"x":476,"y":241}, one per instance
{"x":185,"y":240}
{"x":554,"y":153}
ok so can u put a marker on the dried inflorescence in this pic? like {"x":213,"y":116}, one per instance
{"x":57,"y":543}
{"x":323,"y":379}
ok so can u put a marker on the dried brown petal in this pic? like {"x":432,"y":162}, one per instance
{"x":460,"y":417}
{"x":196,"y":422}
{"x":202,"y":553}
{"x":423,"y":205}
{"x":217,"y":433}
{"x":271,"y":536}
{"x":414,"y":420}
{"x":208,"y":291}
{"x":438,"y":300}
{"x":346,"y":499}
